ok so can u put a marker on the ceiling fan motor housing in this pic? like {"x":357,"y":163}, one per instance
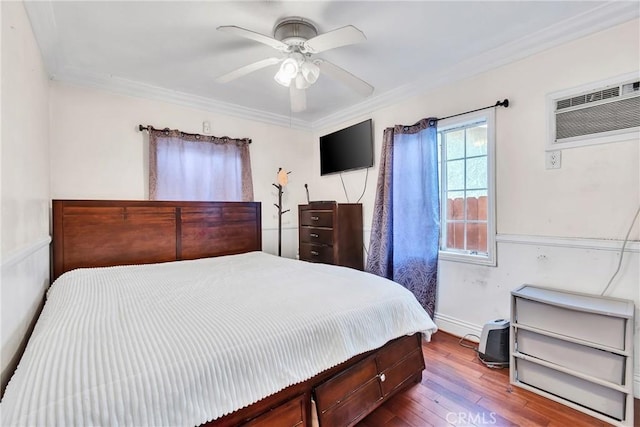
{"x":294,"y":31}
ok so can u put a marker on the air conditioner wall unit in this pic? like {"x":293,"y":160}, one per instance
{"x":597,"y":113}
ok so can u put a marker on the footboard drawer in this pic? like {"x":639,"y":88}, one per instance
{"x":398,"y":350}
{"x":346,"y":398}
{"x":397,"y":375}
{"x":289,"y":414}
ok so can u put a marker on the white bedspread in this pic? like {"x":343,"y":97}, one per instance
{"x":187,"y":342}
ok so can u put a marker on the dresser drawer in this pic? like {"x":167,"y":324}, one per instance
{"x":316,"y":218}
{"x":289,"y":414}
{"x":594,"y":362}
{"x":585,"y":393}
{"x":583,"y":325}
{"x":316,"y":253}
{"x":320,"y":236}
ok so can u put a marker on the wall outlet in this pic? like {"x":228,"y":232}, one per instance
{"x":554,"y":159}
{"x":206,"y":127}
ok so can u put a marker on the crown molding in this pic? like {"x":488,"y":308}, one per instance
{"x":595,"y":20}
{"x":602,"y":17}
{"x":142,"y":90}
{"x":45,"y":30}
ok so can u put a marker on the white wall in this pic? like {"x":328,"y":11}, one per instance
{"x":98,"y":153}
{"x":543,"y":216}
{"x":25,"y":180}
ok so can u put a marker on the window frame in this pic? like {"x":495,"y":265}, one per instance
{"x":466,"y":256}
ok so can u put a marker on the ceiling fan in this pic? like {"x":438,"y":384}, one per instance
{"x":298,"y":40}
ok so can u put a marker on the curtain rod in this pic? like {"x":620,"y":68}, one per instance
{"x":148,"y":128}
{"x":504,"y":103}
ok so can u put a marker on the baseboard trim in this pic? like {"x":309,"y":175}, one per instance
{"x":25,"y":252}
{"x":636,"y":386}
{"x":455,"y":326}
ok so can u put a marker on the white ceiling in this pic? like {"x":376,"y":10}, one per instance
{"x":171,"y":50}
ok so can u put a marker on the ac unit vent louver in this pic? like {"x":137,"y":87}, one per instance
{"x":597,"y":115}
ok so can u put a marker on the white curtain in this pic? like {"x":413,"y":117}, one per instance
{"x":198,"y":167}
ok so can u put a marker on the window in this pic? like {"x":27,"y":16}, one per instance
{"x":467,"y":183}
{"x":186,"y":166}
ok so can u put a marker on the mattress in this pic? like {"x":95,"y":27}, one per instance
{"x":186,"y":342}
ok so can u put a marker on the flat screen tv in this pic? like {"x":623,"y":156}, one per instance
{"x":347,"y":149}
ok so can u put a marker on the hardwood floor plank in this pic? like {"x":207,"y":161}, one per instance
{"x":456,"y":389}
{"x":405,"y":410}
{"x":397,"y":422}
{"x":519,"y":414}
{"x":378,"y":418}
{"x":561,"y":414}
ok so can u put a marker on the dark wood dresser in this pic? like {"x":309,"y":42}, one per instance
{"x":331,"y":233}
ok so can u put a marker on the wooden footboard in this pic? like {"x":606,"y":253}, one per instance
{"x":344,"y":395}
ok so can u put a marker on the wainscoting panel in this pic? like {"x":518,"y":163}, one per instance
{"x":25,"y":279}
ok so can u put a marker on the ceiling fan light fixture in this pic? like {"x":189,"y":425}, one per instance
{"x":301,"y":82}
{"x":288,"y":71}
{"x":310,"y":71}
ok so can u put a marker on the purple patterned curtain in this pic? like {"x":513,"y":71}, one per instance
{"x":406,"y":216}
{"x":184,"y":166}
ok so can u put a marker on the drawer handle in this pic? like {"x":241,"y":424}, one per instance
{"x":382,"y":377}
{"x":315,"y":218}
{"x":315,"y":253}
{"x":314,"y":235}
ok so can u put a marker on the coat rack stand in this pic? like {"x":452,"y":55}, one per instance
{"x":282,"y":181}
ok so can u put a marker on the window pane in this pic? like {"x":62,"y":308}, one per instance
{"x":477,"y":172}
{"x":477,"y":141}
{"x":455,"y":205}
{"x":455,"y":175}
{"x":477,"y":205}
{"x":455,"y":235}
{"x":454,"y":144}
{"x":477,"y":236}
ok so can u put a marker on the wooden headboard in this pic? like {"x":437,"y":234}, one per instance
{"x":101,"y":233}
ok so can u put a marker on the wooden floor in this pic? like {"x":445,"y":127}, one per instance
{"x":457,"y":389}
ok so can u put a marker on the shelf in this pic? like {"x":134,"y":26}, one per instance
{"x":576,"y":349}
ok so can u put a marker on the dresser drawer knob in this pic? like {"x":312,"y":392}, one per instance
{"x":383,"y":378}
{"x":315,"y":253}
{"x":315,"y":218}
{"x":314,"y":235}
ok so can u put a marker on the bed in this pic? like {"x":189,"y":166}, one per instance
{"x":168,"y":313}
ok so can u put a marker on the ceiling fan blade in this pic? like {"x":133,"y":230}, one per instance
{"x":252,"y":35}
{"x":243,"y":71}
{"x":337,"y":73}
{"x":336,"y":38}
{"x":298,"y":99}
